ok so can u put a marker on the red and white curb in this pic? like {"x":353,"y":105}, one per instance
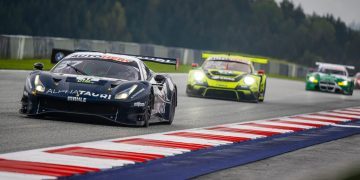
{"x":73,"y":159}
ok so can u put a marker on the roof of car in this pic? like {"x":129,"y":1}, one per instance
{"x":100,"y":55}
{"x":333,"y":66}
{"x":234,"y":59}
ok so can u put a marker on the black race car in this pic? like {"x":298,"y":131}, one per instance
{"x":119,"y":88}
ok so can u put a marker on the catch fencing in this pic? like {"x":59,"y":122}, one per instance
{"x":29,"y":47}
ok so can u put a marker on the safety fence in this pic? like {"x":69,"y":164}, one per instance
{"x":28,"y":47}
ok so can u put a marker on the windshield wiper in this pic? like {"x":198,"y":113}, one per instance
{"x":76,"y":69}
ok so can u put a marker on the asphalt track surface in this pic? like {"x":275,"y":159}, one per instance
{"x":283,"y":97}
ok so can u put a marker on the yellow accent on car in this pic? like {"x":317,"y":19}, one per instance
{"x":236,"y":57}
{"x":343,"y":83}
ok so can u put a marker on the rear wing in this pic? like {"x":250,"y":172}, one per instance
{"x":251,"y":59}
{"x":58,"y":54}
{"x":346,"y":66}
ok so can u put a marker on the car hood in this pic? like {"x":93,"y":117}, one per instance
{"x":224,"y":75}
{"x":79,"y":85}
{"x":332,"y":77}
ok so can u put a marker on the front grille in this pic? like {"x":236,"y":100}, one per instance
{"x":215,"y":93}
{"x":327,"y":86}
{"x":78,"y":107}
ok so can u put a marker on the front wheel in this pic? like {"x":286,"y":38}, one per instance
{"x":262,"y":94}
{"x":350,"y":93}
{"x":147,"y":113}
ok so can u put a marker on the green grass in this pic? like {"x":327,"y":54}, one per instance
{"x":27,"y":64}
{"x":156,"y":67}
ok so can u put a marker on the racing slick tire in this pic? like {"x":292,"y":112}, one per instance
{"x":147,"y":113}
{"x":350,"y":93}
{"x":170,"y":115}
{"x":262,"y":94}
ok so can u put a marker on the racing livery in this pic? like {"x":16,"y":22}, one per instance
{"x":227,"y":77}
{"x":119,"y":88}
{"x":330,"y":78}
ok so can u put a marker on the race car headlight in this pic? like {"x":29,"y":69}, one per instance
{"x":39,"y":87}
{"x":248,"y":80}
{"x":125,"y":94}
{"x":199,"y":75}
{"x":343,"y":83}
{"x":313,"y":79}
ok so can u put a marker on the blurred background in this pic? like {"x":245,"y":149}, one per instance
{"x":300,"y":31}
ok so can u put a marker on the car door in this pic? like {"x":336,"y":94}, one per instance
{"x":159,"y":90}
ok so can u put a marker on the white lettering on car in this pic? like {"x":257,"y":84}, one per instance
{"x":79,"y":93}
{"x":76,"y":99}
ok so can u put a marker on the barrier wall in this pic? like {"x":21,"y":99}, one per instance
{"x":23,"y":47}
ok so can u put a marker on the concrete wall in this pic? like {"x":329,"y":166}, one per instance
{"x":23,"y":47}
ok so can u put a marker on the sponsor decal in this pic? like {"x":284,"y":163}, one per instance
{"x":79,"y":93}
{"x":115,"y":58}
{"x":222,"y":78}
{"x":88,"y":80}
{"x":146,"y":58}
{"x":139,"y":104}
{"x":76,"y":99}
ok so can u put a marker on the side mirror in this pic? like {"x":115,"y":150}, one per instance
{"x":160,"y":78}
{"x":194,"y":65}
{"x":260,"y":71}
{"x":38,"y":66}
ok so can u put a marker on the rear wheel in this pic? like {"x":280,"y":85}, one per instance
{"x":171,"y":113}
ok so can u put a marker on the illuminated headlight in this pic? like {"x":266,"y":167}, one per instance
{"x":125,"y":94}
{"x":313,"y":79}
{"x":248,"y":80}
{"x":199,"y":75}
{"x":343,"y":83}
{"x":39,"y":87}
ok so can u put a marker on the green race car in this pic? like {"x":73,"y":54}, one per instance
{"x":330,"y":78}
{"x":227,"y":77}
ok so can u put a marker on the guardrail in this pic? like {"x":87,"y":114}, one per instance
{"x":23,"y":47}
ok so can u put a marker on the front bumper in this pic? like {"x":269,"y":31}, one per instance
{"x":324,"y":86}
{"x":112,"y":110}
{"x":238,"y":94}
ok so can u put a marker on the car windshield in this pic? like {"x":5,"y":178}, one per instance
{"x":333,"y":71}
{"x":101,"y":68}
{"x":227,"y":65}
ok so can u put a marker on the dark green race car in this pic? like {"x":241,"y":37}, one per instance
{"x":330,"y":78}
{"x":227,"y":77}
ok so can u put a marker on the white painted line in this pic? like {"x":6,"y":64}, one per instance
{"x":346,"y":111}
{"x":43,"y":157}
{"x":223,"y":133}
{"x":285,"y":124}
{"x":325,"y":118}
{"x":353,"y":109}
{"x":307,"y":121}
{"x":337,"y":114}
{"x":21,"y":176}
{"x":186,"y":140}
{"x":347,"y":126}
{"x":248,"y":127}
{"x":135,"y":148}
